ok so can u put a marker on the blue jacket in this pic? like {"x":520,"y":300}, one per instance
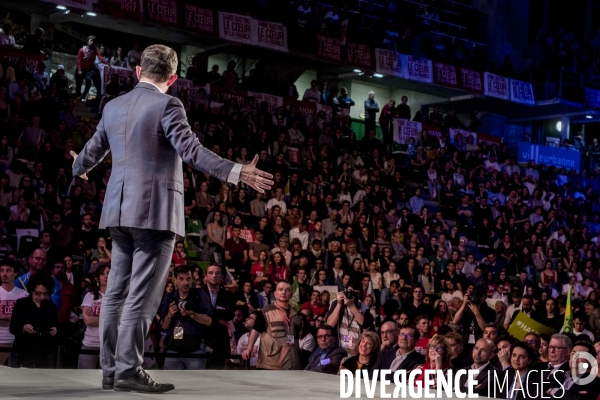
{"x":55,"y":296}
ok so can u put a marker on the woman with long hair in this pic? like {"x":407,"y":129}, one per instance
{"x":321,"y":278}
{"x":280,"y":271}
{"x":247,"y":297}
{"x":91,"y":307}
{"x":442,"y":316}
{"x":261,"y":270}
{"x":427,"y":280}
{"x":101,"y":252}
{"x":550,"y":315}
{"x":215,"y":233}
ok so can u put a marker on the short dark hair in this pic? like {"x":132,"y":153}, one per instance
{"x":588,"y":345}
{"x":527,"y":348}
{"x":181,"y":269}
{"x":40,"y":279}
{"x":8,"y":262}
{"x":415,"y":333}
{"x":158,"y":63}
{"x":327,"y":328}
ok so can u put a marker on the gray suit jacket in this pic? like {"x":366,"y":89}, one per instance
{"x":148,"y":134}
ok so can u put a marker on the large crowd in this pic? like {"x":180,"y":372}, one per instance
{"x":379,"y":260}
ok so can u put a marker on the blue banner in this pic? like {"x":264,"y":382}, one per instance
{"x":551,"y":156}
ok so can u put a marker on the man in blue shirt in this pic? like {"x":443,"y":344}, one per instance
{"x":37,"y":262}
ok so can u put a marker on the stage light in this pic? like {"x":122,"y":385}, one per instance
{"x":358,"y":71}
{"x":60,"y":7}
{"x":91,"y":14}
{"x":378,"y":75}
{"x":559,"y":126}
{"x":589,"y":116}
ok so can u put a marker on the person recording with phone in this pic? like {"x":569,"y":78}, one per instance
{"x":184,"y":318}
{"x":350,"y":316}
{"x":474,"y":315}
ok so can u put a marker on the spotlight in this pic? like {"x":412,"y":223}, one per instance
{"x":559,"y":126}
{"x":60,"y":7}
{"x":91,"y":14}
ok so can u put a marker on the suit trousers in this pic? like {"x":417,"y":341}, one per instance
{"x":140,"y":265}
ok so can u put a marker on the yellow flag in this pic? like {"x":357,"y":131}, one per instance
{"x":568,"y":326}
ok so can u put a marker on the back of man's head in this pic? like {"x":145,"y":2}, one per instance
{"x":158,"y":63}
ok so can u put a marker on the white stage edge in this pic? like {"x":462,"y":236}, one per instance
{"x":65,"y":384}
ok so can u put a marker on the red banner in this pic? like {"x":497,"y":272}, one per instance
{"x":162,"y":12}
{"x":199,"y":19}
{"x":445,"y":75}
{"x":471,"y":80}
{"x":483,"y":138}
{"x":293,"y":155}
{"x":30,"y":58}
{"x":129,"y":9}
{"x":433,"y":130}
{"x":329,"y":48}
{"x":359,"y":55}
{"x":306,"y":108}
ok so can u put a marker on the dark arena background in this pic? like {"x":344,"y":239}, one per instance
{"x":435,"y":206}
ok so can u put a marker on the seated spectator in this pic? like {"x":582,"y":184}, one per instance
{"x":437,"y":358}
{"x":315,"y":304}
{"x":402,"y":357}
{"x":242,"y":343}
{"x":111,"y":90}
{"x":367,"y":352}
{"x":33,"y":323}
{"x":328,"y":356}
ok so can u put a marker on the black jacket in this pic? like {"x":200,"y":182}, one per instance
{"x":387,"y":357}
{"x":217,"y":335}
{"x":334,"y":358}
{"x":42,"y":319}
{"x":485,"y":379}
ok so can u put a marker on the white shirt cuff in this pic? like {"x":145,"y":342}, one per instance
{"x":234,"y":174}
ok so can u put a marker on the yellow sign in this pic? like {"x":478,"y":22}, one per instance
{"x":522,"y":325}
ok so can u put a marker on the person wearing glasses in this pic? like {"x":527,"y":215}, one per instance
{"x":37,"y":262}
{"x":34,"y":321}
{"x":328,"y":356}
{"x":389,"y":335}
{"x":401,"y":357}
{"x":437,"y":357}
{"x":559,"y":348}
{"x":417,"y":306}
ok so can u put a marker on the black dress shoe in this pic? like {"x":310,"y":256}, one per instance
{"x":108,"y":383}
{"x":141,"y":382}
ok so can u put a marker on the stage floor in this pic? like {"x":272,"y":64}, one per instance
{"x":65,"y":384}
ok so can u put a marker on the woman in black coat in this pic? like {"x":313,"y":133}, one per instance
{"x":34,"y":321}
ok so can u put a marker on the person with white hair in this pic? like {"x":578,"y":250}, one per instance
{"x":371,"y":109}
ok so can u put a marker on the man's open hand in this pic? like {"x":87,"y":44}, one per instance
{"x":84,"y":176}
{"x":254,"y":177}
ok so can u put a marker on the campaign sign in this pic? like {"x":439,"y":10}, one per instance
{"x":547,"y":155}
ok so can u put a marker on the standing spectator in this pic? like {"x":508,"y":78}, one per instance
{"x":7,"y":39}
{"x":91,"y":307}
{"x":312,"y":94}
{"x":9,"y":294}
{"x":33,"y":322}
{"x":111,"y":90}
{"x":279,"y":328}
{"x":328,"y":356}
{"x":184,"y":317}
{"x":117,"y":60}
{"x":86,"y":58}
{"x":350,"y":316}
{"x":134,"y":56}
{"x":222,"y":310}
{"x":345,"y":101}
{"x":35,"y":42}
{"x":37,"y":262}
{"x":371,"y":110}
{"x":403,"y":109}
{"x":230,"y":78}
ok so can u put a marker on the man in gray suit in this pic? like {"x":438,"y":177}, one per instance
{"x":148,"y":135}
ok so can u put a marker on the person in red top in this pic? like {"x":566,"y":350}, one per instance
{"x":67,"y":293}
{"x":315,"y":304}
{"x":261,"y":270}
{"x":423,"y":324}
{"x":85,"y":67}
{"x":437,"y":357}
{"x":280,"y":271}
{"x":179,"y":256}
